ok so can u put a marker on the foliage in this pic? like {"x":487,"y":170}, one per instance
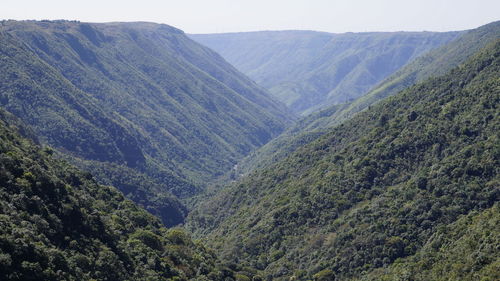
{"x":464,"y":250}
{"x":57,"y":223}
{"x":374,"y":189}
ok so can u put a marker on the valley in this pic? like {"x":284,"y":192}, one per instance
{"x":134,"y":151}
{"x":139,"y":105}
{"x":309,"y":70}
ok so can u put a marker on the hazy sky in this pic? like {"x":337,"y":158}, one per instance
{"x":197,"y":16}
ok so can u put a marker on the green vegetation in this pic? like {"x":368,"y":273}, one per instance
{"x":307,"y":70}
{"x":139,"y":105}
{"x":310,"y":127}
{"x":434,"y":63}
{"x":419,"y":167}
{"x":464,"y":250}
{"x":404,"y":189}
{"x":57,"y":223}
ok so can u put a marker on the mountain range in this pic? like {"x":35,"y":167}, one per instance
{"x":309,"y":128}
{"x":308,"y":70}
{"x":128,"y":151}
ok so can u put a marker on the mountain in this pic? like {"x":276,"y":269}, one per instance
{"x":57,"y":223}
{"x":314,"y":125}
{"x":140,"y":105}
{"x":419,"y":167}
{"x":308,"y":70}
{"x":435,"y":62}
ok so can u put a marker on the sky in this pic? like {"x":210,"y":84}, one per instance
{"x":216,"y":16}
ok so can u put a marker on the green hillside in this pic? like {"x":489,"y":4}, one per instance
{"x":435,"y":62}
{"x":57,"y":223}
{"x":307,"y":70}
{"x":310,"y":127}
{"x":375,"y":190}
{"x":140,"y":105}
{"x":464,"y":250}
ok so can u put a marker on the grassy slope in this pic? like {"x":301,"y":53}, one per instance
{"x":307,"y":70}
{"x":374,"y":189}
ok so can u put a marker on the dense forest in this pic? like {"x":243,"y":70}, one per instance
{"x":376,"y":188}
{"x":128,"y":151}
{"x":57,"y":223}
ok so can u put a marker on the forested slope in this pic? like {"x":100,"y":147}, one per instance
{"x":435,"y":62}
{"x":464,"y":250}
{"x":140,"y":105}
{"x":373,"y":191}
{"x":57,"y":223}
{"x":310,"y":127}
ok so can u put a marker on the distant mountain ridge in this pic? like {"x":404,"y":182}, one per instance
{"x":308,"y":70}
{"x":139,"y":104}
